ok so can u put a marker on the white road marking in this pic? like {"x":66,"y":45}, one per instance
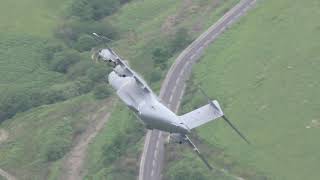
{"x":207,"y":43}
{"x":177,"y":80}
{"x":192,"y":56}
{"x":152,"y":172}
{"x":181,"y":72}
{"x":143,"y":158}
{"x":174,"y":88}
{"x":157,"y":145}
{"x":171,"y":97}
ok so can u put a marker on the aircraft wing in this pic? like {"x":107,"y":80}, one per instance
{"x":132,"y":73}
{"x":202,"y":115}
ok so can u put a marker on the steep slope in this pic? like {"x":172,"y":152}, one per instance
{"x":265,"y":71}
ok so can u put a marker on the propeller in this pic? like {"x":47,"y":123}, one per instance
{"x":224,"y":117}
{"x":198,"y":152}
{"x":235,"y":129}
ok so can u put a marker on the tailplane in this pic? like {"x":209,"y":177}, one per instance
{"x":202,"y":115}
{"x":205,"y":114}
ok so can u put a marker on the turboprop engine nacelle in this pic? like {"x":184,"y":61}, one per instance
{"x":109,"y":56}
{"x":178,"y":138}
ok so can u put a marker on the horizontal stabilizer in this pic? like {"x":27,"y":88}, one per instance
{"x":202,"y":115}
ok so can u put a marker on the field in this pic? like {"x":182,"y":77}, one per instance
{"x":265,"y":72}
{"x":30,"y":17}
{"x":25,"y":29}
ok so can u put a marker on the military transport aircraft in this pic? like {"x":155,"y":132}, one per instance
{"x":139,"y":97}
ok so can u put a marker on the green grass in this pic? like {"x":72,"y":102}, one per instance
{"x":142,"y":26}
{"x":265,"y":72}
{"x":32,"y":17}
{"x":35,"y":133}
{"x":22,"y":66}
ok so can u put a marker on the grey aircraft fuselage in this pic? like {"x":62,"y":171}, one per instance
{"x":136,"y":94}
{"x":145,"y":104}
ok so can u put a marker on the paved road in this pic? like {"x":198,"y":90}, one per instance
{"x":174,"y":85}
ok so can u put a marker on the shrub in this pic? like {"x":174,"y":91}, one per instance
{"x":155,"y":75}
{"x":79,"y":69}
{"x":160,"y":57}
{"x":85,"y":43}
{"x":59,"y":142}
{"x":50,"y":49}
{"x":84,"y":85}
{"x":73,"y":30}
{"x":102,"y":91}
{"x":93,"y":9}
{"x":180,"y":40}
{"x":97,"y":73}
{"x":62,"y":61}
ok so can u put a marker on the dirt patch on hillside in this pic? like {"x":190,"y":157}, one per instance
{"x":187,"y":9}
{"x":3,"y":135}
{"x":74,"y":160}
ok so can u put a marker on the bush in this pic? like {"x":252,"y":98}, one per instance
{"x":84,"y":85}
{"x":12,"y":104}
{"x":85,"y":43}
{"x":59,"y":143}
{"x":156,"y":75}
{"x":97,"y":73}
{"x":180,"y":41}
{"x":160,"y":57}
{"x":80,"y":69}
{"x":93,"y":9}
{"x":50,"y":49}
{"x":62,"y":61}
{"x":73,"y":30}
{"x":102,"y":91}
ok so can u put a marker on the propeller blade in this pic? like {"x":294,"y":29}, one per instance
{"x":224,"y":117}
{"x":235,"y":129}
{"x":198,"y":152}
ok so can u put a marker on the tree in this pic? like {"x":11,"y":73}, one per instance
{"x":181,"y":40}
{"x":160,"y":57}
{"x":62,"y":61}
{"x":97,"y":73}
{"x":155,"y":75}
{"x":102,"y":91}
{"x":85,"y":43}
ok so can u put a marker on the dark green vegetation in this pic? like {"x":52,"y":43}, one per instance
{"x":50,"y":88}
{"x":265,"y":72}
{"x":115,"y":151}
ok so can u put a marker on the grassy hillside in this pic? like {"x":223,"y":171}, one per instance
{"x":146,"y":25}
{"x":40,"y":137}
{"x":21,"y":64}
{"x":265,"y":72}
{"x":31,"y":17}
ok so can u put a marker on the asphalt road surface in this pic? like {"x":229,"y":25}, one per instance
{"x":174,"y":85}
